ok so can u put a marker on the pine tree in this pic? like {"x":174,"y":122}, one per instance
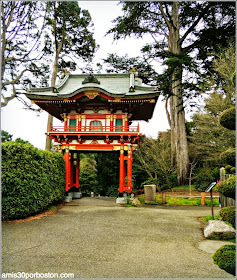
{"x":69,"y":38}
{"x":184,"y":33}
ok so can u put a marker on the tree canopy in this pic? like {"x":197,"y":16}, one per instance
{"x":182,"y":40}
{"x":21,"y":31}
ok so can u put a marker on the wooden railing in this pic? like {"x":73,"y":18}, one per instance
{"x":94,"y":128}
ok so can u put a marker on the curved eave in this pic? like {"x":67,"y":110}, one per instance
{"x":59,"y":96}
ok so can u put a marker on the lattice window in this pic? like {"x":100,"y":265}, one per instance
{"x":96,"y":126}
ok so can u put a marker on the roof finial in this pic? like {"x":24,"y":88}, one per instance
{"x":132,"y":70}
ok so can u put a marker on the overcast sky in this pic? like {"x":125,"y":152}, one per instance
{"x":28,"y":126}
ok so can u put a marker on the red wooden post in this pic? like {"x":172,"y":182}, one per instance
{"x":111,"y":123}
{"x":78,"y":171}
{"x":71,"y":167}
{"x":65,"y":123}
{"x":126,"y":124}
{"x":129,"y":170}
{"x":67,"y":167}
{"x":121,"y":174}
{"x":79,"y":123}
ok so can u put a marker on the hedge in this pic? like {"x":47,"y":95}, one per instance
{"x":228,"y":214}
{"x":228,"y":156}
{"x":32,"y":179}
{"x":227,"y":118}
{"x":227,"y":188}
{"x":224,"y":257}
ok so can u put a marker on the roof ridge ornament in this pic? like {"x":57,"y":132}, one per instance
{"x":90,"y":79}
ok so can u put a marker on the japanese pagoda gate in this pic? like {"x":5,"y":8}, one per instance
{"x":97,"y":111}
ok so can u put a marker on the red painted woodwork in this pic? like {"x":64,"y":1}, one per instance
{"x":68,"y":170}
{"x":71,"y":171}
{"x":122,"y":171}
{"x":129,"y":171}
{"x":78,"y":171}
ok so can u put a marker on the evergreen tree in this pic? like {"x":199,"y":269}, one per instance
{"x":184,"y":33}
{"x":69,"y":38}
{"x":5,"y":136}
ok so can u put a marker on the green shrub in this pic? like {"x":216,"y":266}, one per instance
{"x":227,"y":168}
{"x":32,"y":179}
{"x":204,"y":177}
{"x":227,"y":188}
{"x":228,"y":214}
{"x":224,"y":257}
{"x":228,"y":156}
{"x":232,"y":170}
{"x":227,"y":118}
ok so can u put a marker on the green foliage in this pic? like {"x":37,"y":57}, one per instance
{"x":154,"y":158}
{"x":179,"y":201}
{"x":88,"y":173}
{"x":205,"y":176}
{"x":228,"y":214}
{"x":227,"y":188}
{"x":227,"y":118}
{"x":233,"y":170}
{"x":208,"y":218}
{"x":68,"y":34}
{"x":21,"y":141}
{"x":229,"y":156}
{"x":224,"y":257}
{"x":5,"y":136}
{"x":32,"y":179}
{"x":108,"y":173}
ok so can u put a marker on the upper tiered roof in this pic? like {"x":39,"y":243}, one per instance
{"x":113,"y":90}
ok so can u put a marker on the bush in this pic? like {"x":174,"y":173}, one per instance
{"x":204,"y":177}
{"x":228,"y":214}
{"x":228,"y":156}
{"x":227,"y":168}
{"x":227,"y":188}
{"x":224,"y":257}
{"x":32,"y":179}
{"x":232,"y":170}
{"x":227,"y":118}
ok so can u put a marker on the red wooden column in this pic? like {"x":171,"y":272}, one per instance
{"x":68,"y":169}
{"x":126,"y":123}
{"x":111,"y":123}
{"x":129,"y":169}
{"x":71,"y":169}
{"x":79,"y":123}
{"x":78,"y":171}
{"x":121,"y":171}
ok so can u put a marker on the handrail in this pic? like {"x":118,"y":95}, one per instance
{"x":94,"y":128}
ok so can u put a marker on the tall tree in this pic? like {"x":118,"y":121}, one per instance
{"x":70,"y":38}
{"x":21,"y":31}
{"x":208,"y":138}
{"x":153,"y":157}
{"x":183,"y":33}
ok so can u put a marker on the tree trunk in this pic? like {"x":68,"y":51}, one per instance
{"x":179,"y":145}
{"x":50,"y":117}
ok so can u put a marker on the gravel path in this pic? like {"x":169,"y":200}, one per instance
{"x":95,"y":238}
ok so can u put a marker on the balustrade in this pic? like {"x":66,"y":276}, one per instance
{"x":94,"y":128}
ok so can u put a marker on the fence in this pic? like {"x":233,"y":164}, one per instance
{"x":226,"y":201}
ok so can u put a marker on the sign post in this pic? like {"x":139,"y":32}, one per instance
{"x":209,"y":189}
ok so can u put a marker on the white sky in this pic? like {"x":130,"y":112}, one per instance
{"x":28,"y":126}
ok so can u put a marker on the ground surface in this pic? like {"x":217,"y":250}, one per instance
{"x":95,"y":238}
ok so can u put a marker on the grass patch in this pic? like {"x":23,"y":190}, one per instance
{"x":189,"y":201}
{"x":208,"y":218}
{"x":129,"y":205}
{"x":179,"y":201}
{"x":185,"y":187}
